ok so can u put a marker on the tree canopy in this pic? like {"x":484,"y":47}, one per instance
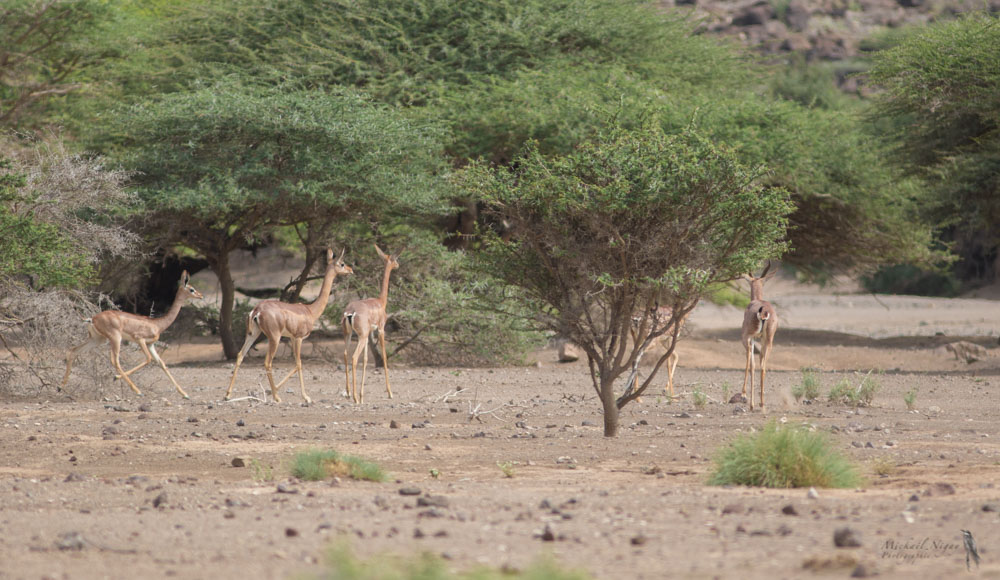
{"x":940,"y":106}
{"x":226,"y":163}
{"x":628,"y":221}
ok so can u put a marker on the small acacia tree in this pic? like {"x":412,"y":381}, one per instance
{"x":623,"y":223}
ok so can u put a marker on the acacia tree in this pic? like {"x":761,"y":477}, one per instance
{"x":940,"y":107}
{"x":221,"y":165}
{"x":44,"y":47}
{"x":623,"y":223}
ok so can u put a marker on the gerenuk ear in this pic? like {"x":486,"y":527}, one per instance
{"x":381,"y":254}
{"x":767,"y":276}
{"x":185,"y":278}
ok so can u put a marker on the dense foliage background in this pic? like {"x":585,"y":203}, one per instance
{"x":303,"y":123}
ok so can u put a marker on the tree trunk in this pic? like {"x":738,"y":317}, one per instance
{"x":228,"y":288}
{"x":610,"y":407}
{"x":293,"y":294}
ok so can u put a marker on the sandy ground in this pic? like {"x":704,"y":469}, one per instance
{"x":144,"y":487}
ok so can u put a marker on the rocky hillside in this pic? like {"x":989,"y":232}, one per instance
{"x":821,"y":30}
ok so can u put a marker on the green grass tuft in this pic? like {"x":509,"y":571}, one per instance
{"x":862,"y":395}
{"x":507,"y":467}
{"x":808,"y":389}
{"x":699,"y":398}
{"x":319,"y":464}
{"x":781,"y":456}
{"x":343,"y":565}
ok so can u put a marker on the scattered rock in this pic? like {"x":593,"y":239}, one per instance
{"x":432,"y":501}
{"x":418,"y":533}
{"x":941,"y":488}
{"x":812,"y":494}
{"x":569,"y":352}
{"x":70,"y":541}
{"x":755,"y":14}
{"x":240,"y":461}
{"x":846,"y":538}
{"x":914,"y":497}
{"x":733,"y":508}
{"x":393,"y":424}
{"x":991,"y":507}
{"x":863,"y":570}
{"x":410,"y":491}
{"x":548,"y":535}
{"x":738,"y":398}
{"x":588,"y":423}
{"x":789,"y":510}
{"x":797,"y":15}
{"x":784,"y":530}
{"x":639,"y":540}
{"x":160,"y":499}
{"x":826,"y":563}
{"x":77,"y":477}
{"x":285,"y":488}
{"x":291,"y":533}
{"x":241,"y":423}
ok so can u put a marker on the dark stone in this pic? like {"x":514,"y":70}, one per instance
{"x":754,"y":15}
{"x":846,"y":538}
{"x":432,"y":501}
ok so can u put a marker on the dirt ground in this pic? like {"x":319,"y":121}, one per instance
{"x":144,"y":487}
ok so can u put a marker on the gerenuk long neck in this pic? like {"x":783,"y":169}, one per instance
{"x":167,"y":319}
{"x":383,"y":298}
{"x":319,"y":305}
{"x":756,"y":289}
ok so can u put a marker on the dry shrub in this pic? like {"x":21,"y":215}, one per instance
{"x":69,"y":189}
{"x":37,"y":330}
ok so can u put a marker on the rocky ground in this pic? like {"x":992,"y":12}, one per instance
{"x":509,"y":464}
{"x":832,"y":31}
